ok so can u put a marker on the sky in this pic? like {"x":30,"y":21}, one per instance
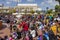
{"x":41,"y":3}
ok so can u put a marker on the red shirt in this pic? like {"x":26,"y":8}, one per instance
{"x":22,"y":24}
{"x":26,"y":27}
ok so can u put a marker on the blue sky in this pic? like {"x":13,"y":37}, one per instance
{"x":41,"y":3}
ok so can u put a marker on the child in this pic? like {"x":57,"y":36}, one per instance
{"x":10,"y":38}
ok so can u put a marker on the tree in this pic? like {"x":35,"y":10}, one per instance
{"x":38,"y":12}
{"x":49,"y":11}
{"x":14,"y":10}
{"x":32,"y":11}
{"x":57,"y":8}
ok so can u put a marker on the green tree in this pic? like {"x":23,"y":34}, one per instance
{"x":49,"y":11}
{"x":32,"y":11}
{"x":57,"y":8}
{"x":13,"y":10}
{"x":38,"y":12}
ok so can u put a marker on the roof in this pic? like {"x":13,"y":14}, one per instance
{"x":27,"y":5}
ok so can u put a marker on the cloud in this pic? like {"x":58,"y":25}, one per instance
{"x":7,"y":2}
{"x":16,"y":0}
{"x":52,"y":3}
{"x":31,"y":0}
{"x":49,"y":3}
{"x":42,"y":3}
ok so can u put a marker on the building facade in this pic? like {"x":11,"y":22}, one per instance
{"x":26,"y":7}
{"x":20,"y":8}
{"x":6,"y":9}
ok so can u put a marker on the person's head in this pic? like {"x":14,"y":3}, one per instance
{"x":5,"y":37}
{"x":59,"y":22}
{"x":32,"y":28}
{"x":46,"y":28}
{"x":10,"y":35}
{"x":56,"y":22}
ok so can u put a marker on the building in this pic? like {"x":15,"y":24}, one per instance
{"x":20,"y":8}
{"x":26,"y":7}
{"x":6,"y":9}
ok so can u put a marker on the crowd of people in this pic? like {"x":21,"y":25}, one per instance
{"x":33,"y":27}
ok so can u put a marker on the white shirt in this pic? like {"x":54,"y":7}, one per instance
{"x":33,"y":33}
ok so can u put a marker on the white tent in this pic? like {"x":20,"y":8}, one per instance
{"x":14,"y":13}
{"x":22,"y":13}
{"x":18,"y":16}
{"x":35,"y":13}
{"x":38,"y":9}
